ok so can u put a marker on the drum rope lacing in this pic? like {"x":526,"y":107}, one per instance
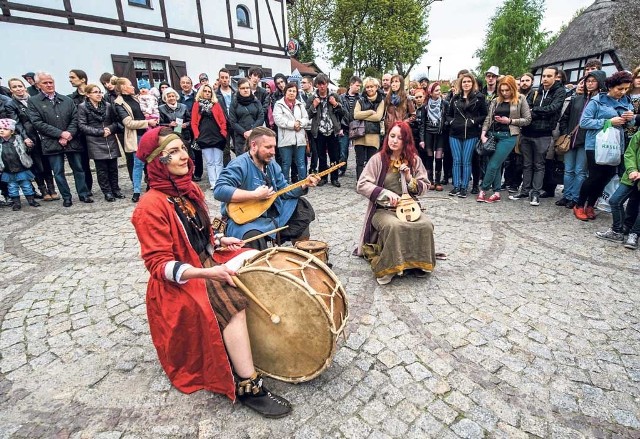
{"x":302,"y":265}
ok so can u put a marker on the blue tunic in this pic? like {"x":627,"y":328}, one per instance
{"x":242,"y":173}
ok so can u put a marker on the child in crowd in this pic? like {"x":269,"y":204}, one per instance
{"x":148,"y":102}
{"x":15,"y":164}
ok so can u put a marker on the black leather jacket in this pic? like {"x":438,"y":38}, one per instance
{"x":168,"y":115}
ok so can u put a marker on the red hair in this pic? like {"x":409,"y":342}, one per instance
{"x":409,"y":151}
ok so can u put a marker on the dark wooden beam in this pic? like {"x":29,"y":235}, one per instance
{"x":163,"y":14}
{"x":139,"y":36}
{"x":258,"y":26}
{"x":120,"y":11}
{"x":230,"y":23}
{"x":200,"y":21}
{"x":69,"y":11}
{"x":4,"y":6}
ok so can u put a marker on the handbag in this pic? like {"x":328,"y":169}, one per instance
{"x":356,"y":129}
{"x":608,"y":149}
{"x":487,"y":148}
{"x":563,"y":143}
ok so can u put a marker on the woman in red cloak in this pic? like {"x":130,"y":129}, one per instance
{"x":196,"y":315}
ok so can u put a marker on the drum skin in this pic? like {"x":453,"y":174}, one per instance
{"x":318,"y":249}
{"x":312,"y":307}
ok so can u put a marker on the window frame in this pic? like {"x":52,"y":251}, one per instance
{"x":247,"y":13}
{"x":139,"y":4}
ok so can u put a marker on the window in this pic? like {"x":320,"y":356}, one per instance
{"x":242,"y":15}
{"x":154,"y":70}
{"x":143,"y":3}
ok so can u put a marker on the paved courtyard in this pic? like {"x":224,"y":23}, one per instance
{"x":531,"y":328}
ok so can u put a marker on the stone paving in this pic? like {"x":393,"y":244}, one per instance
{"x":529,"y":329}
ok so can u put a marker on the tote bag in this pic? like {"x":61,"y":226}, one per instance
{"x":608,"y":145}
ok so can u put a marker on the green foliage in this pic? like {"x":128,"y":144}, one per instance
{"x":345,"y":75}
{"x":307,"y":23}
{"x":514,"y":39}
{"x":372,"y":72}
{"x":381,"y":34}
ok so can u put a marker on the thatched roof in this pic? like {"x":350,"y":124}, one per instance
{"x":605,"y":26}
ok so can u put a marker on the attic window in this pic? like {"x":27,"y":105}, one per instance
{"x":242,"y":15}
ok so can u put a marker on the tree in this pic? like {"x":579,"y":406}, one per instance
{"x":381,"y":34}
{"x":346,"y":73}
{"x":514,"y":38}
{"x":307,"y":24}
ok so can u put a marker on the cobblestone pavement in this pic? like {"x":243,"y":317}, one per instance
{"x":529,"y":329}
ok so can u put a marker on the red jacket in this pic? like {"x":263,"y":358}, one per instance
{"x":183,"y":325}
{"x":218,"y":116}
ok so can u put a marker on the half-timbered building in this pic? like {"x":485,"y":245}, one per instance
{"x":157,"y":39}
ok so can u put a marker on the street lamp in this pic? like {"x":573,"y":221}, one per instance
{"x":439,"y":64}
{"x":428,"y":70}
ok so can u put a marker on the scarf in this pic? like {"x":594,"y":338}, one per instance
{"x":174,"y":106}
{"x":205,"y":106}
{"x":434,"y":110}
{"x":159,"y":177}
{"x":99,"y":112}
{"x":395,"y":99}
{"x":245,"y":100}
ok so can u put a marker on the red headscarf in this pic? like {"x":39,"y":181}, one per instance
{"x":159,"y":177}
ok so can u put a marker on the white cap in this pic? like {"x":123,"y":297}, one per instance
{"x":494,"y":70}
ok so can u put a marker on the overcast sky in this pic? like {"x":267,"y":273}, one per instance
{"x":457,"y":28}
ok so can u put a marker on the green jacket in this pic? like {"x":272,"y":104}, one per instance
{"x":631,"y":159}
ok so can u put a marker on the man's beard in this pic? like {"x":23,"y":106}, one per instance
{"x":263,"y":159}
{"x":525,"y":89}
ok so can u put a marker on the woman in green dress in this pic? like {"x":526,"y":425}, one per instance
{"x":393,"y":245}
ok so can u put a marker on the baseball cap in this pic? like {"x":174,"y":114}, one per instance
{"x":203,"y":76}
{"x":29,"y":75}
{"x":494,"y":70}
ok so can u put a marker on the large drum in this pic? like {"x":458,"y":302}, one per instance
{"x":313,"y":310}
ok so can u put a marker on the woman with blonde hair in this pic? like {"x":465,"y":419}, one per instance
{"x":209,"y":127}
{"x":135,"y":125}
{"x":370,"y":109}
{"x":399,"y":108}
{"x":507,"y":113}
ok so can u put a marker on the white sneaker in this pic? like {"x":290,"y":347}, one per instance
{"x":384,"y":279}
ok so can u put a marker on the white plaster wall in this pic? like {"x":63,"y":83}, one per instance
{"x":57,"y":51}
{"x":182,"y":15}
{"x":53,"y":4}
{"x":106,"y":9}
{"x":214,"y":18}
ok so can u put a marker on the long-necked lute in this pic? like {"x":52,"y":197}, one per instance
{"x":243,"y":212}
{"x":407,"y":209}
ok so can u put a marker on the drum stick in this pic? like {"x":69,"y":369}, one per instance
{"x":274,"y":317}
{"x":262,"y":235}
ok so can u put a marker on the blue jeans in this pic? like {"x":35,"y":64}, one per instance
{"x":462,"y":152}
{"x":297,"y":154}
{"x":505,"y":143}
{"x":57,"y":165}
{"x":138,"y":172}
{"x":617,"y":200}
{"x":15,"y":186}
{"x":575,"y":172}
{"x":344,"y":149}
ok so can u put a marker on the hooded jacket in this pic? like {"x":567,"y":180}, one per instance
{"x":600,"y":109}
{"x":545,"y":106}
{"x":577,"y":104}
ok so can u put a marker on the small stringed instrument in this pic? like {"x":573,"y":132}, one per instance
{"x":246,"y":211}
{"x":407,"y":209}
